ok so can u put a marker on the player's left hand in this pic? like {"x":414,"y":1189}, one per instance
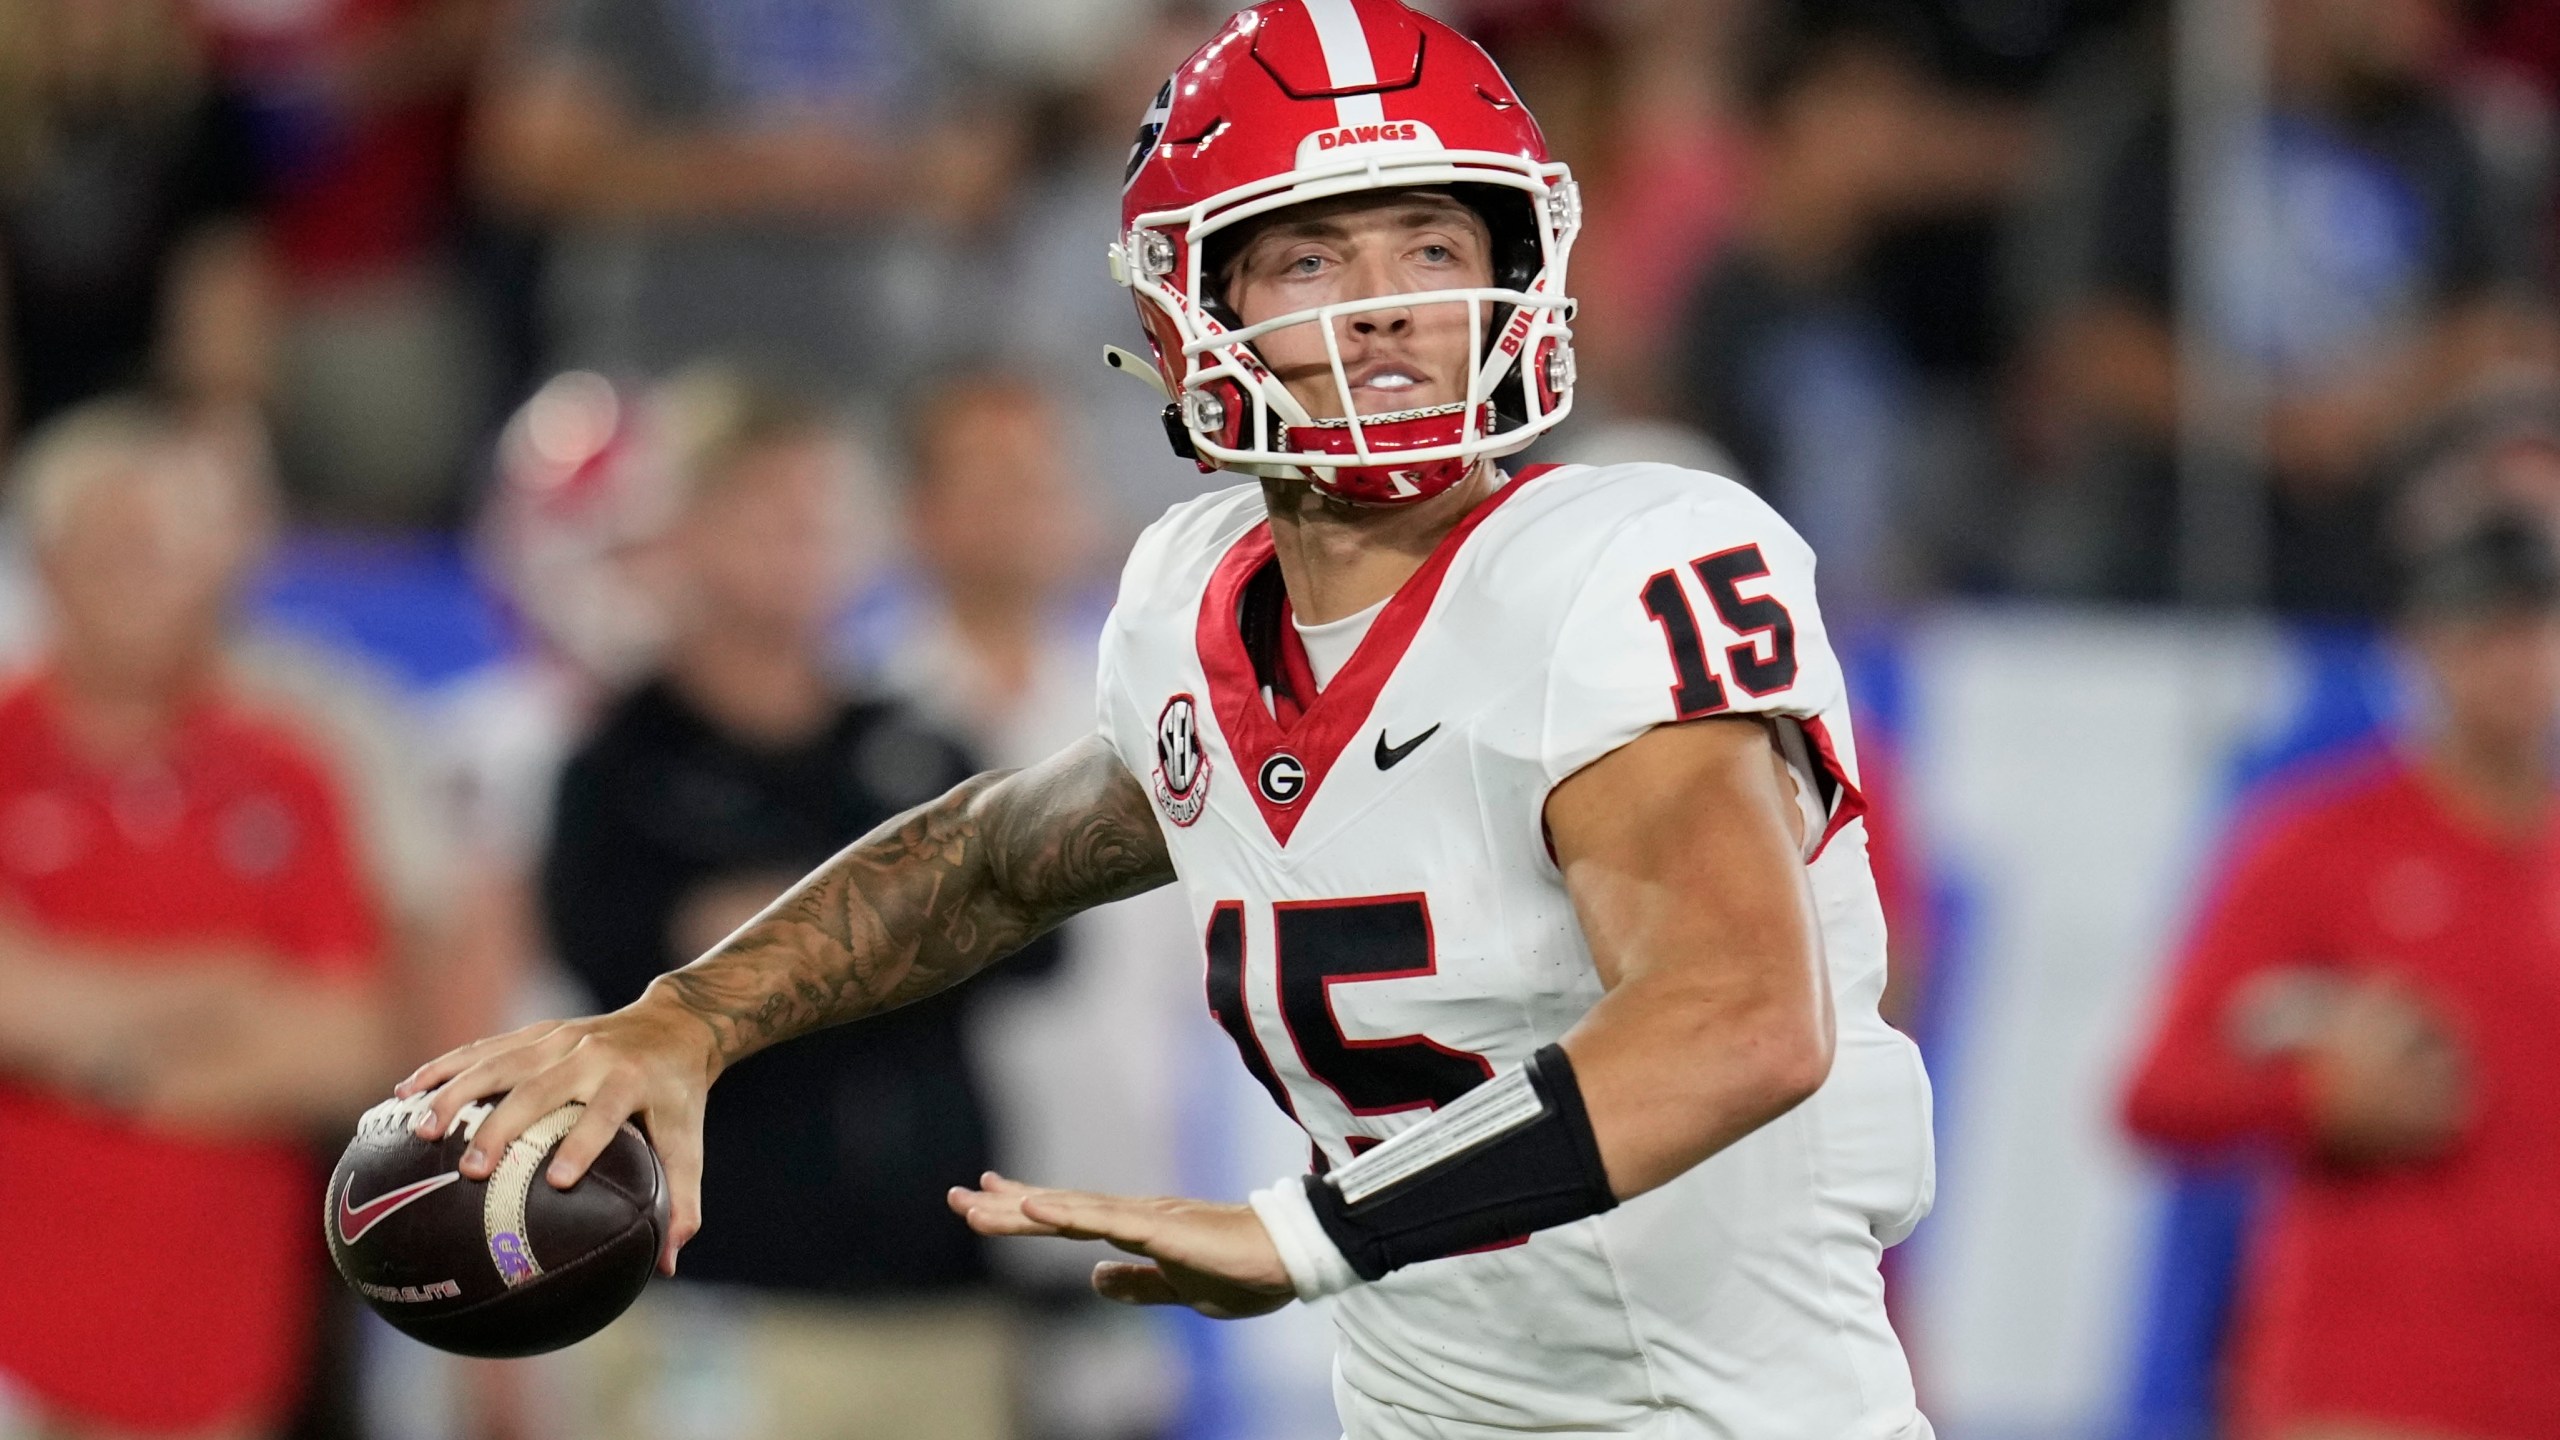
{"x":1217,"y":1259}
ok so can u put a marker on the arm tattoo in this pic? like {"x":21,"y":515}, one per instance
{"x":929,"y":899}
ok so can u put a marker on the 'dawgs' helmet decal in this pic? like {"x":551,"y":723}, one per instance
{"x":1182,"y":763}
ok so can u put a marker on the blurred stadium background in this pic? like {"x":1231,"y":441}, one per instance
{"x":2112,"y":353}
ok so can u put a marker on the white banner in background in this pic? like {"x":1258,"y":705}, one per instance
{"x":2068,"y":776}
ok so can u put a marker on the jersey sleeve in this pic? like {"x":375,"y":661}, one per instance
{"x":1701,"y":605}
{"x":1137,"y":603}
{"x":1110,"y":700}
{"x":1113,"y":717}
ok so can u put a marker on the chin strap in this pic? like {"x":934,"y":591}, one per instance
{"x":1329,"y":445}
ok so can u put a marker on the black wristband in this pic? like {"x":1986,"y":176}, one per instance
{"x":1540,"y":1170}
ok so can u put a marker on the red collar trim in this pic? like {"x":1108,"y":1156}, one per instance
{"x":1264,"y":750}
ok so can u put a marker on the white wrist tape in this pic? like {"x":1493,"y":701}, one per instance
{"x":1315,"y":1265}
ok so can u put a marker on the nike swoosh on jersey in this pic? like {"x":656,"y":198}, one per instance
{"x":1388,"y":754}
{"x":355,"y":1220}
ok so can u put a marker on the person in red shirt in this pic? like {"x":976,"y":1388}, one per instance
{"x":2370,"y":1000}
{"x":188,"y":964}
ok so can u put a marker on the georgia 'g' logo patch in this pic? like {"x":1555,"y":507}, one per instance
{"x":1282,"y":779}
{"x":1182,"y":762}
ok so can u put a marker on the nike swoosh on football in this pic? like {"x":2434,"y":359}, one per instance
{"x":355,"y":1220}
{"x":1388,"y":754}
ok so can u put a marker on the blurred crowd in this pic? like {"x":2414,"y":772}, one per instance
{"x":747,"y":353}
{"x":1917,"y":269}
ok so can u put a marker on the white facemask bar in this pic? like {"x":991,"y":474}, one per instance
{"x":1212,"y":352}
{"x":1536,"y":317}
{"x":1482,"y":375}
{"x":1342,"y":378}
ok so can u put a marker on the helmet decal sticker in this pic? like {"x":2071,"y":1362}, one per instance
{"x":1150,"y":130}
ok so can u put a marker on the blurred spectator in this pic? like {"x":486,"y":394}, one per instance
{"x":782,"y":183}
{"x":1001,"y":524}
{"x":1000,"y":647}
{"x":2499,"y":455}
{"x":129,"y":250}
{"x":1053,"y":46}
{"x":2372,"y":295}
{"x":1636,"y":97}
{"x":1787,"y":359}
{"x":354,"y":713}
{"x":1058,"y":303}
{"x":363,"y":728}
{"x":1637,"y":442}
{"x":2507,"y":83}
{"x":581,"y":494}
{"x":2367,"y":1003}
{"x":2514,"y":45}
{"x":189,"y":964}
{"x":355,"y":109}
{"x":705,"y":793}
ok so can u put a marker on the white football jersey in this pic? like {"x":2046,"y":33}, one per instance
{"x":1385,"y":927}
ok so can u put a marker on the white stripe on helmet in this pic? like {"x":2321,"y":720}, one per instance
{"x":1347,"y":61}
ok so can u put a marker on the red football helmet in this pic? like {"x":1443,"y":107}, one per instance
{"x":1299,"y":100}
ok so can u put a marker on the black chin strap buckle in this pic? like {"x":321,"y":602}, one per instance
{"x":1179,"y":434}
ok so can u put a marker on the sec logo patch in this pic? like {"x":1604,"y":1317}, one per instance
{"x":1182,"y":762}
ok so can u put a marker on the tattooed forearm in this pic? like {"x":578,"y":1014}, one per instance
{"x":929,"y":899}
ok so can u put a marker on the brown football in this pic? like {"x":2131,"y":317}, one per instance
{"x":501,"y":1267}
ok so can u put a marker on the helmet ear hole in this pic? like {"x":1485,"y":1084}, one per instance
{"x":1218,"y":255}
{"x":1511,"y":222}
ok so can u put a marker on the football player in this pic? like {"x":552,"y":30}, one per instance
{"x":1518,"y":814}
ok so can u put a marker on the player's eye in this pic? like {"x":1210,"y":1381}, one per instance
{"x":1306,"y":265}
{"x":1438,"y":254}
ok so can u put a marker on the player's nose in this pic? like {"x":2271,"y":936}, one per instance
{"x":1386,"y":320}
{"x":1371,"y":276}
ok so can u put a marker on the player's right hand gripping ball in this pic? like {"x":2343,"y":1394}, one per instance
{"x":506,"y":1266}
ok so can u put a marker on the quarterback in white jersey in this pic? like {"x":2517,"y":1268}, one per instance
{"x":1385,"y":930}
{"x":1518,"y":814}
